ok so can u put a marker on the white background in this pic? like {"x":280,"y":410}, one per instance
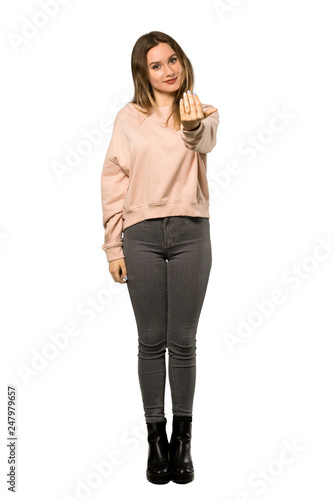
{"x":253,"y":59}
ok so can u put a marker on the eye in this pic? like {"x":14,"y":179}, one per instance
{"x":157,"y":65}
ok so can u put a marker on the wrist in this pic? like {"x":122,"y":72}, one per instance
{"x":191,"y":129}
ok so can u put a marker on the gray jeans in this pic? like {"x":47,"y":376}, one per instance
{"x":168,"y":261}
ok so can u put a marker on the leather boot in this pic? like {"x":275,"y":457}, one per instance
{"x":180,"y":461}
{"x":157,"y":464}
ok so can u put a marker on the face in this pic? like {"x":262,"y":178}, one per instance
{"x":163,"y":64}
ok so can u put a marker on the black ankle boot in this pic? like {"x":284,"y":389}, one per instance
{"x":180,"y":461}
{"x":157,"y":464}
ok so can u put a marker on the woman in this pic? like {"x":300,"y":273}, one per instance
{"x":155,"y":192}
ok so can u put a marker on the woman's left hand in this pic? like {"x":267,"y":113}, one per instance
{"x":191,"y":111}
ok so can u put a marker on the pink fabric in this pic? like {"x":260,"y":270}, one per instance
{"x":151,"y":170}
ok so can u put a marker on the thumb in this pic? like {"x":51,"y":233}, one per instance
{"x":209,"y":112}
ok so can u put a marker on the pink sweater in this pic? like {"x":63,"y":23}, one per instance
{"x":151,"y":170}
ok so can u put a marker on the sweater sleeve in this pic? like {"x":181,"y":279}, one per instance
{"x":203,"y":139}
{"x":114,"y":185}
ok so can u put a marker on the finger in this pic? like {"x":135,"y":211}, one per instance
{"x":120,"y":275}
{"x":199,"y":108}
{"x":193,"y":107}
{"x":182,"y":112}
{"x":186,"y":103}
{"x":115,"y":277}
{"x":209,"y":112}
{"x":124,"y":274}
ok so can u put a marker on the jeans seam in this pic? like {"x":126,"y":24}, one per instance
{"x":162,"y":385}
{"x":171,"y":361}
{"x":177,"y":398}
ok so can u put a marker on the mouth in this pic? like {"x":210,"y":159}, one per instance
{"x":171,"y":81}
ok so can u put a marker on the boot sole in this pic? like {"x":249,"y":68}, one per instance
{"x":158,"y":478}
{"x":180,"y":478}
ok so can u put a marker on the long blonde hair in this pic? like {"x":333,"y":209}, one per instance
{"x":143,"y":93}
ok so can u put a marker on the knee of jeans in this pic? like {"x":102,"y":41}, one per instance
{"x":182,"y":350}
{"x":151,"y":349}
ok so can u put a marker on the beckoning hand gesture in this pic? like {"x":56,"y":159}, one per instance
{"x":191,"y":111}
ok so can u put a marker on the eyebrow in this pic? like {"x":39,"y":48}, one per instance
{"x":156,"y":62}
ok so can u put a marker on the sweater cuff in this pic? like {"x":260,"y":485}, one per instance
{"x":193,"y":133}
{"x":114,"y":253}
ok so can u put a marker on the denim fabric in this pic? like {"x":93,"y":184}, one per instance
{"x":168,"y":261}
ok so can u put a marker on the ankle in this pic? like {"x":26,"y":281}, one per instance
{"x":182,"y":418}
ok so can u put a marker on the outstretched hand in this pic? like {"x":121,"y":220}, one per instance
{"x":191,"y":111}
